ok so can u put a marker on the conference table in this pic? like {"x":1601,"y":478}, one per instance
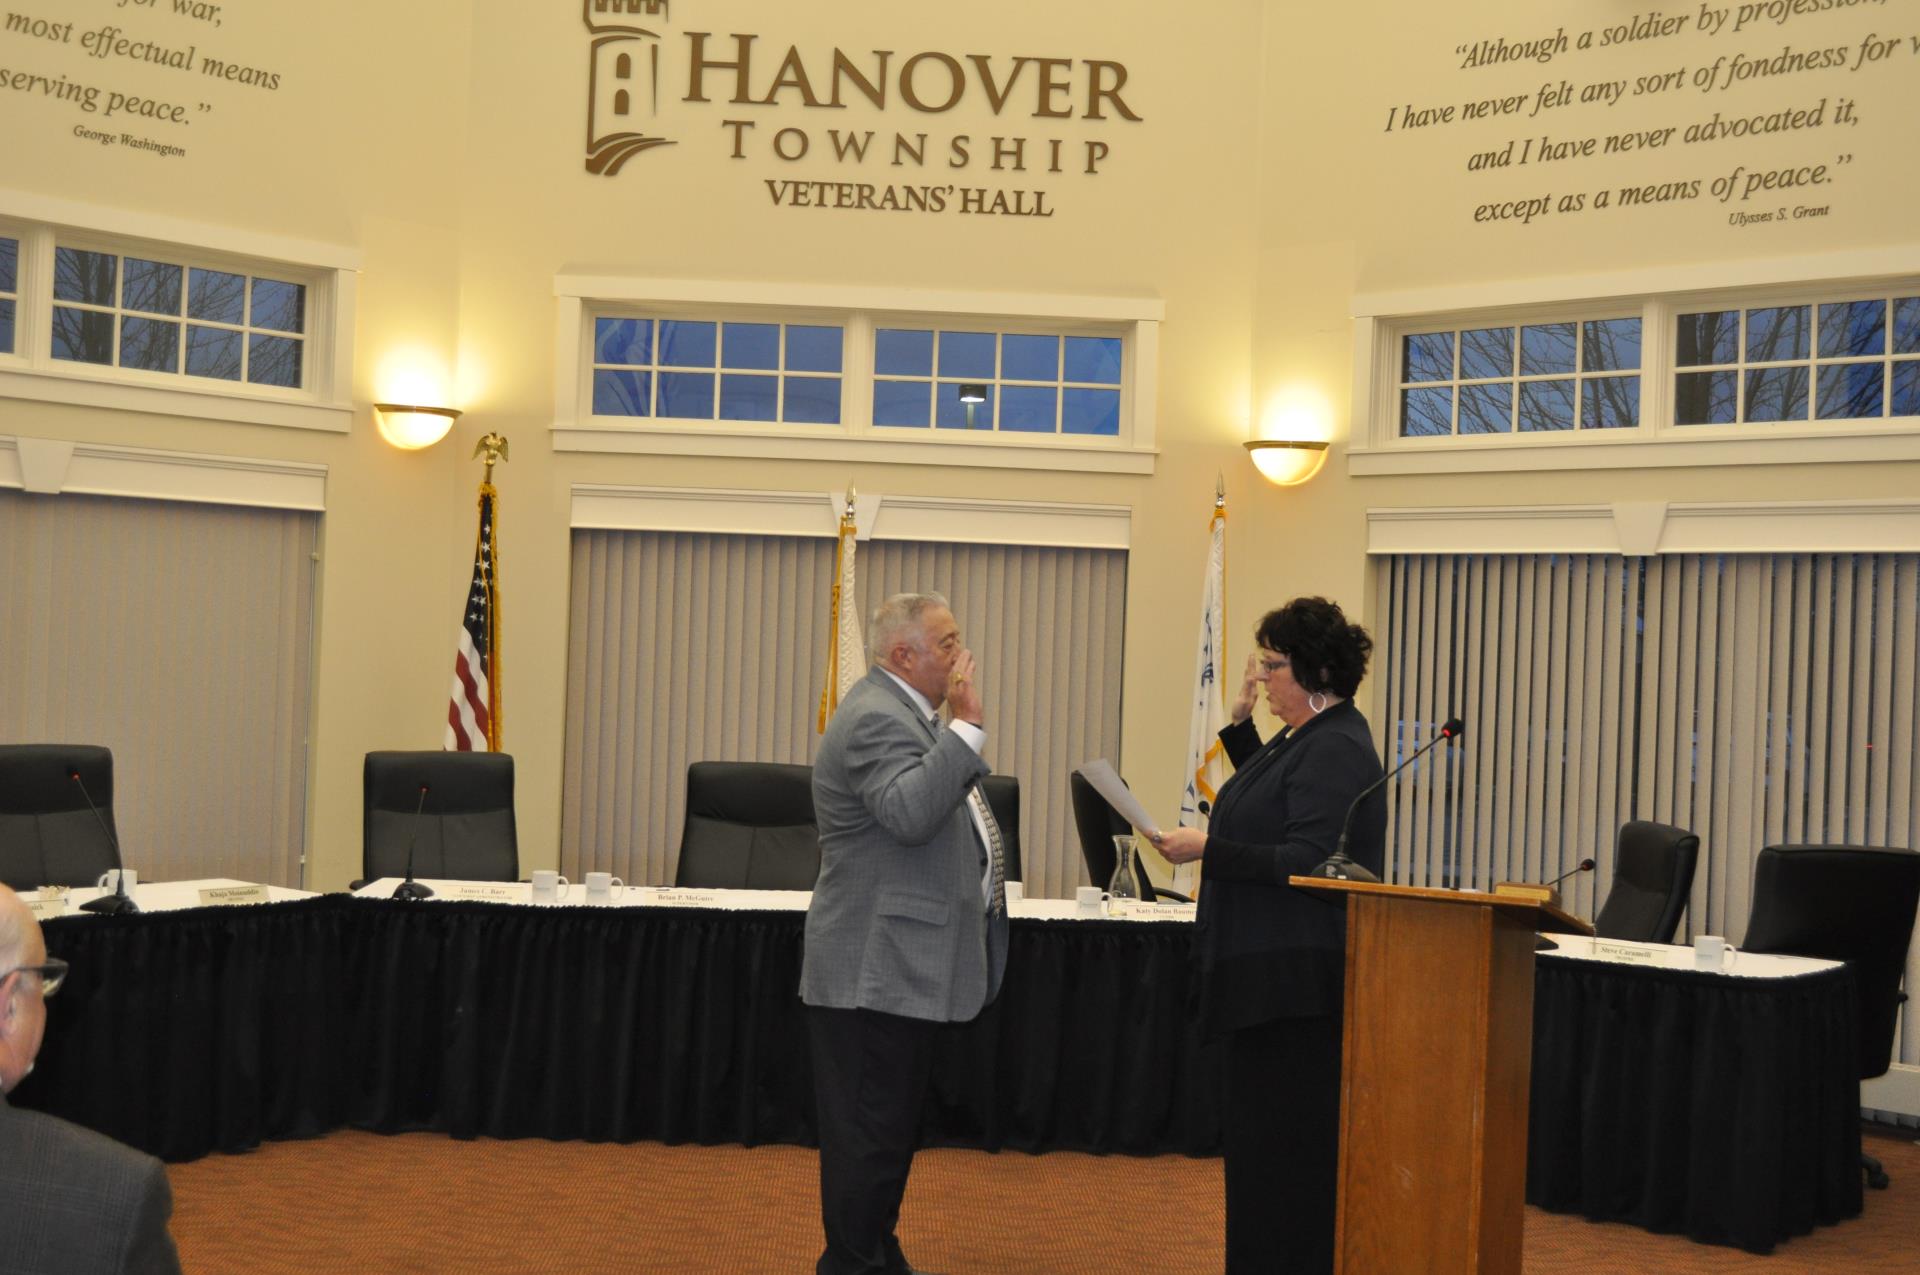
{"x":1718,"y":1105}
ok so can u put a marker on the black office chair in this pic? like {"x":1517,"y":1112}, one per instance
{"x":1003,"y":798}
{"x":1098,"y":823}
{"x":750,"y":826}
{"x":465,"y":828}
{"x":1844,"y":903}
{"x":1652,"y":881}
{"x":47,"y":834}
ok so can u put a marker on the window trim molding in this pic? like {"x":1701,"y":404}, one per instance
{"x":50,"y":466}
{"x":1650,"y":528}
{"x":326,"y":405}
{"x":940,"y":519}
{"x":1659,"y":293}
{"x":574,"y":429}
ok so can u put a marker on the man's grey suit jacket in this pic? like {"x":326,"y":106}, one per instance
{"x":73,"y":1202}
{"x":898,"y":921}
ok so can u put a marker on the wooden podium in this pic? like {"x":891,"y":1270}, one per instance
{"x":1433,"y":1101}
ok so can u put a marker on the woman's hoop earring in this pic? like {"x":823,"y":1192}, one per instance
{"x":1317,"y":702}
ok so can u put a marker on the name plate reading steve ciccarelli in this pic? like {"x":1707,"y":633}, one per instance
{"x":221,"y":896}
{"x":47,"y":909}
{"x":1626,"y":953}
{"x":485,"y":892}
{"x":671,"y":898}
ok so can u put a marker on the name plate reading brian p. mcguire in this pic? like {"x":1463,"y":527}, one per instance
{"x":667,"y":897}
{"x":220,"y":896}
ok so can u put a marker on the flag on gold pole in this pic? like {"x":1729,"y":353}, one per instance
{"x":473,"y":709}
{"x":1206,"y":756}
{"x":846,"y":653}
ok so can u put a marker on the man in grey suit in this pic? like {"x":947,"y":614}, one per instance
{"x":71,"y":1201}
{"x":908,"y":925}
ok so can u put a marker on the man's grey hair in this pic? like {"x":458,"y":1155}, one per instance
{"x":14,"y":920}
{"x":893,"y":618}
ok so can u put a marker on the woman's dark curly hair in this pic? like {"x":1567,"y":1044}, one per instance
{"x":1327,"y":653}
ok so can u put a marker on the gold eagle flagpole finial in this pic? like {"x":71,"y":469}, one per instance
{"x":494,"y":446}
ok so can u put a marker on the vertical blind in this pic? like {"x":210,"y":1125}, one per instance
{"x":1752,"y":699}
{"x":688,"y":647}
{"x":180,"y":636}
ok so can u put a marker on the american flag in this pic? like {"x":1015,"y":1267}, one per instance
{"x":473,"y":712}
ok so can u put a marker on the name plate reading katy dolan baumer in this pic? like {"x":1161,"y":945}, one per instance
{"x":47,"y":909}
{"x":1140,"y":910}
{"x":221,"y":896}
{"x":666,"y":897}
{"x":1626,"y":953}
{"x":484,"y":892}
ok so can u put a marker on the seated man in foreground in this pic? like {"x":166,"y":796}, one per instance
{"x":71,"y":1201}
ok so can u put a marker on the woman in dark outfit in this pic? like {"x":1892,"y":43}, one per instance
{"x":1272,"y":958}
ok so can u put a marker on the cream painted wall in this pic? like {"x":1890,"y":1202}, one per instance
{"x":1255,"y":198}
{"x":1348,"y":208}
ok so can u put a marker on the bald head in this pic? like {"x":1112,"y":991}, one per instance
{"x":23,"y":1011}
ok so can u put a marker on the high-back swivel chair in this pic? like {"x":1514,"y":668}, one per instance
{"x":48,"y":836}
{"x":464,"y":829}
{"x":750,"y":826}
{"x":1652,"y":881}
{"x":1844,"y":903}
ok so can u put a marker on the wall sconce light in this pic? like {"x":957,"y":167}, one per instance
{"x":1287,"y":462}
{"x":410,"y":428}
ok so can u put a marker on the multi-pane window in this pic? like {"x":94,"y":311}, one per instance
{"x":1827,"y":361}
{"x":694,"y":369}
{"x":1502,"y":379}
{"x":154,"y":315}
{"x":1012,"y":382}
{"x":9,"y":290}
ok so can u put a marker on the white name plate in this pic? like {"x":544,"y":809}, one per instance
{"x":1627,"y":953}
{"x":1137,"y":910}
{"x":664,"y":897}
{"x":47,"y":909}
{"x":221,"y":896}
{"x":485,"y":892}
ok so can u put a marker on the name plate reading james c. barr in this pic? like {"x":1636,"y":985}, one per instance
{"x":229,"y":895}
{"x":1626,"y":953}
{"x":484,"y":892}
{"x":47,"y":909}
{"x":666,"y":897}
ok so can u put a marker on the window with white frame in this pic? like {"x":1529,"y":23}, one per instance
{"x":1805,"y":370}
{"x":88,"y":314}
{"x":856,"y":374}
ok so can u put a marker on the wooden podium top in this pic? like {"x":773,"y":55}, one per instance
{"x":1544,"y":916}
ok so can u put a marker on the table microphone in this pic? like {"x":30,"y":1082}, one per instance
{"x":119,"y":903}
{"x":411,"y":889}
{"x":1338,"y":866}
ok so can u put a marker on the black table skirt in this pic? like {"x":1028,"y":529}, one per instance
{"x":1721,"y":1109}
{"x":215,"y":1029}
{"x":1726,"y":1110}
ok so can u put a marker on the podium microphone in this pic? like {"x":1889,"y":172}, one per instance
{"x":411,"y":889}
{"x":119,"y":903}
{"x":1338,"y":866}
{"x":1585,"y":865}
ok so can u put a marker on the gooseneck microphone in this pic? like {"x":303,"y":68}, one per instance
{"x":1338,"y":866}
{"x":119,"y":903}
{"x":411,"y":889}
{"x":1585,"y":865}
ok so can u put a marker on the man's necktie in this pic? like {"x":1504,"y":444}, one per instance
{"x":994,"y":848}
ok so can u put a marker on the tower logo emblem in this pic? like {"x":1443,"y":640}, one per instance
{"x":623,"y":82}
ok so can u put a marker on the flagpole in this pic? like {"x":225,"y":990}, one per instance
{"x":830,"y":693}
{"x":493,"y":447}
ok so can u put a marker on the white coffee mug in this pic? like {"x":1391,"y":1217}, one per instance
{"x":1712,"y":952}
{"x":1016,"y":891}
{"x":110,"y":879}
{"x":549,"y":885}
{"x":1090,"y":900}
{"x":602,"y":886}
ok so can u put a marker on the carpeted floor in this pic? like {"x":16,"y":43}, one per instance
{"x":362,"y":1203}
